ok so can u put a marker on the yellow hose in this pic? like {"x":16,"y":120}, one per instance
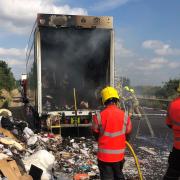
{"x":136,"y":160}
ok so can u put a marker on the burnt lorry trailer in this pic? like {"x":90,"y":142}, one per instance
{"x":70,"y":60}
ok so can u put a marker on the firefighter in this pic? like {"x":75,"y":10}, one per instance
{"x":173,"y":122}
{"x":126,"y":100}
{"x":135,"y":103}
{"x":111,"y":127}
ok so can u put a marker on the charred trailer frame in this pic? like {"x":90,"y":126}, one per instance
{"x":70,"y":60}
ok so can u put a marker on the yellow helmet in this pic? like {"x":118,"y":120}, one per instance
{"x":126,"y":88}
{"x":131,"y":90}
{"x":108,"y":93}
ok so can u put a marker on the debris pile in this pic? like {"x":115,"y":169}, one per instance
{"x":47,"y":156}
{"x":54,"y":156}
{"x":77,"y":156}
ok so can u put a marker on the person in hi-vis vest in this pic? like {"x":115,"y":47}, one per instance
{"x":111,"y":127}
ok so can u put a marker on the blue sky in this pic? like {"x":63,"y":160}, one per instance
{"x":147,"y":33}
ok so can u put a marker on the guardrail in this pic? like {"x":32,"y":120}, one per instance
{"x":154,"y":103}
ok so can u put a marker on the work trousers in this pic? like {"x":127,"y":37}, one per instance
{"x":111,"y":170}
{"x":173,"y":171}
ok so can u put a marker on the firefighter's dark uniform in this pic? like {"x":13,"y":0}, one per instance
{"x":173,"y":121}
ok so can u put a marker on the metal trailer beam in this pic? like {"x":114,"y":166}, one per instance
{"x":112,"y":59}
{"x":38,"y":55}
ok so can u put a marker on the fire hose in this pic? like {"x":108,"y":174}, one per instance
{"x":136,"y":160}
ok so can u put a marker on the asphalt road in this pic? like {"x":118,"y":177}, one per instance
{"x":152,"y":152}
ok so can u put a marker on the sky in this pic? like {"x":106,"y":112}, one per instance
{"x":147,"y":34}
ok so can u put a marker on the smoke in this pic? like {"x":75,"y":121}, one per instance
{"x":75,"y":58}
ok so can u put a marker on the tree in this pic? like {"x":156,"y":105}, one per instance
{"x":7,"y":80}
{"x":169,"y":89}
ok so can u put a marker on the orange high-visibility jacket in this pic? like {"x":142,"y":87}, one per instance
{"x":173,"y":119}
{"x":112,"y":124}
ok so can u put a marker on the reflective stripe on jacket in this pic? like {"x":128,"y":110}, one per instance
{"x":111,"y":124}
{"x":173,"y":119}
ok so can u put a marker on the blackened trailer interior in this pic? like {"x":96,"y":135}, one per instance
{"x":73,"y":58}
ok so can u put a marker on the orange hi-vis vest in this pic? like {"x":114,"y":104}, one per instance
{"x":173,"y":119}
{"x":112,"y":124}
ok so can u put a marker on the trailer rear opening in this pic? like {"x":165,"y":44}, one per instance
{"x":69,"y":62}
{"x":73,"y":58}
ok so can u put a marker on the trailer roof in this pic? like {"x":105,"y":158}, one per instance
{"x":76,"y":21}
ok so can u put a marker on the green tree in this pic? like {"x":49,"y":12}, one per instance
{"x":169,"y":89}
{"x":7,"y":80}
